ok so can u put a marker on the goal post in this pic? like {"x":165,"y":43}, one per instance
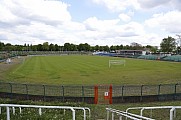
{"x":117,"y":62}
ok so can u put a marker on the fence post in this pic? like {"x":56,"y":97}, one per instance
{"x":63,"y":93}
{"x":27,"y":97}
{"x":159,"y":86}
{"x":82,"y":93}
{"x":175,"y":92}
{"x":43,"y":92}
{"x":141,"y":98}
{"x":8,"y":113}
{"x":95,"y":94}
{"x":107,"y":114}
{"x":110,"y":94}
{"x":11,"y":91}
{"x":122,"y":92}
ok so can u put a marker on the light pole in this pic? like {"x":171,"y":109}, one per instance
{"x":178,"y":42}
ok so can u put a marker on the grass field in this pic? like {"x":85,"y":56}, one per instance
{"x":90,"y":70}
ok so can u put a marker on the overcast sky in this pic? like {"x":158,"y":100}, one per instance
{"x":96,"y":22}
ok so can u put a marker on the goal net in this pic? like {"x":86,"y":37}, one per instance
{"x":116,"y":62}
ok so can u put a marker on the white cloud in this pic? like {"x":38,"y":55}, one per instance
{"x":152,"y":3}
{"x":93,"y":23}
{"x":130,"y":29}
{"x":169,"y":22}
{"x":111,"y":28}
{"x":38,"y":21}
{"x":124,"y":17}
{"x":118,"y":5}
{"x":34,"y":21}
{"x":176,"y":4}
{"x":111,"y":32}
{"x":34,"y":10}
{"x":48,"y":10}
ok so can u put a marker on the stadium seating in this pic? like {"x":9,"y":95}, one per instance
{"x":176,"y":58}
{"x":149,"y":57}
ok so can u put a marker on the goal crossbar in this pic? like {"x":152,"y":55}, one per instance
{"x":117,"y":62}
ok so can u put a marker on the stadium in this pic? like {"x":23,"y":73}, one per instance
{"x":92,"y":79}
{"x":90,"y":60}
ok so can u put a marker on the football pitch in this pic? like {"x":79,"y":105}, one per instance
{"x":91,"y":70}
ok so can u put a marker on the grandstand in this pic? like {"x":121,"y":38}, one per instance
{"x":150,"y":57}
{"x":131,"y":52}
{"x":176,"y":58}
{"x":138,"y":54}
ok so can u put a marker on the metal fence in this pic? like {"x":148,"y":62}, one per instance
{"x":73,"y":109}
{"x":65,"y":93}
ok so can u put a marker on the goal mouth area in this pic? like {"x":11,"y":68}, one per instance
{"x":117,"y":62}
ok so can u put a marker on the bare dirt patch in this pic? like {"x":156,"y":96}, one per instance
{"x":5,"y":67}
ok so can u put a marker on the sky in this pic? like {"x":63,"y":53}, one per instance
{"x":96,"y":22}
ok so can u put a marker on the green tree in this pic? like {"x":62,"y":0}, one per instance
{"x":127,"y":47}
{"x":168,"y":45}
{"x":84,"y":47}
{"x":151,"y":48}
{"x":1,"y":46}
{"x":34,"y":47}
{"x":113,"y":48}
{"x":106,"y":48}
{"x":73,"y":47}
{"x":101,"y":48}
{"x":18,"y":47}
{"x":67,"y":47}
{"x":24,"y":47}
{"x":45,"y":46}
{"x":51,"y":47}
{"x":121,"y":47}
{"x":57,"y":48}
{"x":39,"y":47}
{"x":31,"y":47}
{"x":87,"y":47}
{"x":81,"y":47}
{"x":97,"y":48}
{"x":8,"y":47}
{"x":92,"y":48}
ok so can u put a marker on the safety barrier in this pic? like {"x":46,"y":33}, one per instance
{"x":76,"y":93}
{"x":172,"y":109}
{"x":43,"y":107}
{"x":122,"y":114}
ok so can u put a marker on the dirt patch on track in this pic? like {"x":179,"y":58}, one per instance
{"x":5,"y":67}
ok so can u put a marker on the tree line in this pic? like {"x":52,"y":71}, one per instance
{"x":167,"y":45}
{"x":71,"y":47}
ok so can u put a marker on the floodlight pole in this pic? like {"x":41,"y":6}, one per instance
{"x":179,"y":41}
{"x":179,"y":37}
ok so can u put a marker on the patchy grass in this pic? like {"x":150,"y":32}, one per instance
{"x":90,"y":70}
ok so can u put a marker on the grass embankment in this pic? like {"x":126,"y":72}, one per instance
{"x":97,"y":111}
{"x":90,"y":70}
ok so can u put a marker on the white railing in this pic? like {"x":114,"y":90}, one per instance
{"x":172,"y":110}
{"x":42,"y":107}
{"x":122,"y":114}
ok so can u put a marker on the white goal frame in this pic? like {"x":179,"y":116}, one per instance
{"x":117,"y":62}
